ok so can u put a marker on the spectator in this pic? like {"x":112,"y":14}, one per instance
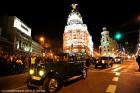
{"x":138,"y":61}
{"x":87,"y":62}
{"x":33,"y":58}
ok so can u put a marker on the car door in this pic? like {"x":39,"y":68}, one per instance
{"x":75,"y":68}
{"x":79,"y":65}
{"x":62,"y":68}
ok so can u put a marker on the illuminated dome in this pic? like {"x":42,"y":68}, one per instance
{"x":74,"y":17}
{"x":76,"y":38}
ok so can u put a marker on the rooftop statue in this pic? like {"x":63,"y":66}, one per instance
{"x":74,"y":7}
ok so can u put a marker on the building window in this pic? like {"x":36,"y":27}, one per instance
{"x":75,"y":50}
{"x":75,"y":42}
{"x":107,"y":39}
{"x":17,"y":44}
{"x":74,"y":36}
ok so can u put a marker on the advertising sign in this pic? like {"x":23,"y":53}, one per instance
{"x":21,"y":26}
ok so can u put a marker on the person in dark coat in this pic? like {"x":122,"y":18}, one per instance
{"x":138,"y":61}
{"x":87,"y":62}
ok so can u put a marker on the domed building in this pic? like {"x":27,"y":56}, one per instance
{"x":108,"y":45}
{"x":76,"y":38}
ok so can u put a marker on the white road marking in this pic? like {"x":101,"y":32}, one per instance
{"x":115,"y":79}
{"x":117,"y":69}
{"x":117,"y":74}
{"x":124,"y":71}
{"x":19,"y":87}
{"x":114,"y":70}
{"x":115,"y":66}
{"x":111,"y":88}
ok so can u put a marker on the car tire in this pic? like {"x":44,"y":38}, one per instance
{"x":29,"y":86}
{"x":52,"y":84}
{"x":104,"y":66}
{"x":95,"y":66}
{"x":84,"y":74}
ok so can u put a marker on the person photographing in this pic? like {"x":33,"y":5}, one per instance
{"x":138,"y":61}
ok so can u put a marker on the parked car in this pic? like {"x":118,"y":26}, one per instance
{"x":104,"y":62}
{"x":118,"y":60}
{"x":52,"y":75}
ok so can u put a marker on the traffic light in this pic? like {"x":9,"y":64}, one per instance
{"x":118,"y":36}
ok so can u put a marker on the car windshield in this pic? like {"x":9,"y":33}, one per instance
{"x":118,"y":57}
{"x":106,"y":58}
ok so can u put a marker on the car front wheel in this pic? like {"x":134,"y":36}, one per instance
{"x":52,"y":84}
{"x":30,"y":85}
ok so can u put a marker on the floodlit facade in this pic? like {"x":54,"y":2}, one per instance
{"x":76,"y":38}
{"x":138,"y":46}
{"x":108,"y":45}
{"x":15,"y":37}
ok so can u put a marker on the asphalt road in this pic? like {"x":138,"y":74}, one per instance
{"x":121,"y":78}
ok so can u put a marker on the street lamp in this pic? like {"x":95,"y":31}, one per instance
{"x":42,"y":40}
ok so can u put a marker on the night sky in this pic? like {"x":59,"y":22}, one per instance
{"x":49,"y":18}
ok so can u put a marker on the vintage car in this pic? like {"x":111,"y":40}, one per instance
{"x":104,"y":62}
{"x":52,"y":75}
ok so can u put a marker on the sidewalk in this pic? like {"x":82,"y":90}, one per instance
{"x":14,"y":75}
{"x":13,"y":81}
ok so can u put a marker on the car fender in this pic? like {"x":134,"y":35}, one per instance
{"x":53,"y":73}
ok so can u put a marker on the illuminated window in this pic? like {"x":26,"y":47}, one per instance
{"x":17,"y":44}
{"x":74,"y":36}
{"x":75,"y":50}
{"x":107,"y":39}
{"x":67,"y":38}
{"x":75,"y":42}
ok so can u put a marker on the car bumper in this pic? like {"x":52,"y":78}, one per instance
{"x":35,"y":80}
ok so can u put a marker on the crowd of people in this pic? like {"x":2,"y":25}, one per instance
{"x":12,"y":64}
{"x":17,"y":63}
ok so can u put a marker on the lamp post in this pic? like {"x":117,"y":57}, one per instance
{"x":100,"y":49}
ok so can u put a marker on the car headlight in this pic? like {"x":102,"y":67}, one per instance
{"x":41,"y":72}
{"x":31,"y":71}
{"x":103,"y":61}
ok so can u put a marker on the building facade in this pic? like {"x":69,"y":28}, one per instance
{"x":108,"y":45}
{"x":36,"y":49}
{"x":15,"y":36}
{"x":76,"y":38}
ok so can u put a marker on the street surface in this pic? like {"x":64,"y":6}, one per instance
{"x":121,"y":78}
